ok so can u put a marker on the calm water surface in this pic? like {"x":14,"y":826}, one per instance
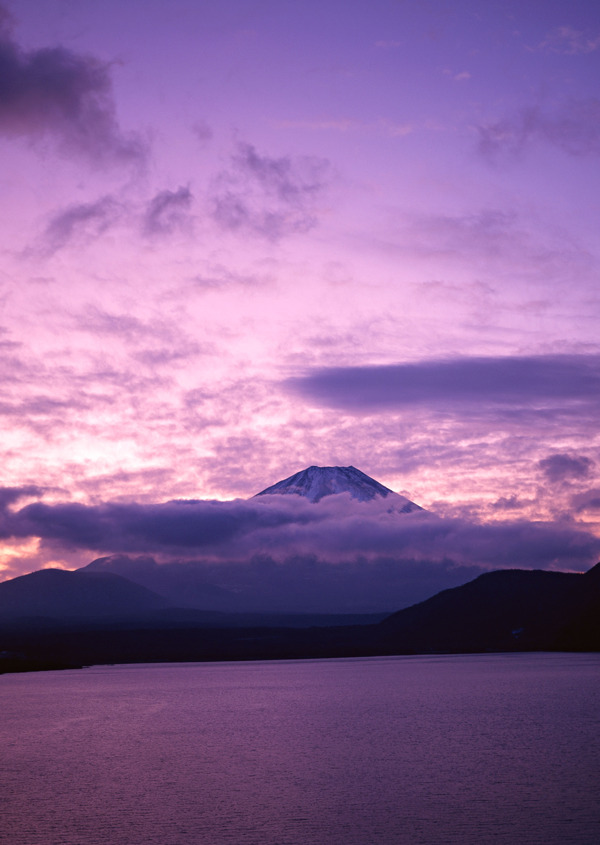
{"x":498,"y":749}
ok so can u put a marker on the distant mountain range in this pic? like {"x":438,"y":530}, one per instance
{"x":502,"y":611}
{"x":121,"y":609}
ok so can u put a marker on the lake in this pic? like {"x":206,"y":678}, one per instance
{"x":500,"y":749}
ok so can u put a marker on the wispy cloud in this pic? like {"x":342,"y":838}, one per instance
{"x":152,"y":342}
{"x":488,"y":232}
{"x":380,"y":127}
{"x":56,"y":92}
{"x":79,"y":223}
{"x":570,"y":41}
{"x":342,"y":124}
{"x":574,"y":127}
{"x":457,"y":76}
{"x":269,"y":196}
{"x":508,"y":503}
{"x":167,"y":212}
{"x":220,"y":277}
{"x":493,"y":245}
{"x":135,"y":485}
{"x":82,"y":223}
{"x":203,"y":132}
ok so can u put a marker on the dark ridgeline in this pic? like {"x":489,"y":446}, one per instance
{"x":79,"y":595}
{"x":507,"y":610}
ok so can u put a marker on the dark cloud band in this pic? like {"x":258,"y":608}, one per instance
{"x":518,"y":381}
{"x":337,"y":529}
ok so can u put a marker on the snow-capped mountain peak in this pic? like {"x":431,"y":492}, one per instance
{"x":314,"y":483}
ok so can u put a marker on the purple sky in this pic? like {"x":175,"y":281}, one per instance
{"x":240,"y":238}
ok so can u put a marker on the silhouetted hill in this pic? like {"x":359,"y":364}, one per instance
{"x":58,"y":594}
{"x":500,"y":611}
{"x":507,"y":610}
{"x":182,"y":584}
{"x":582,"y":632}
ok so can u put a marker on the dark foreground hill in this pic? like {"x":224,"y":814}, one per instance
{"x":58,"y":594}
{"x":507,"y":610}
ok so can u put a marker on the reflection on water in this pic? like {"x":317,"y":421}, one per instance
{"x":498,"y":749}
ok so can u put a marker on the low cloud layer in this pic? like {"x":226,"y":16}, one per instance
{"x":11,"y":495}
{"x":282,"y":553}
{"x":337,"y":530}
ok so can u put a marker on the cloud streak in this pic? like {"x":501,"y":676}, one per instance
{"x":502,"y":381}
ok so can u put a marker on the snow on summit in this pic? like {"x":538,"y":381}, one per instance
{"x":315,"y":483}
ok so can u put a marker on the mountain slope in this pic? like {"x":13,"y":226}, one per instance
{"x":314,"y":483}
{"x":502,"y":610}
{"x":182,"y":584}
{"x":582,"y":632}
{"x":58,"y":594}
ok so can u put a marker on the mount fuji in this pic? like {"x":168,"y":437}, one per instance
{"x":314,"y":483}
{"x":290,"y":563}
